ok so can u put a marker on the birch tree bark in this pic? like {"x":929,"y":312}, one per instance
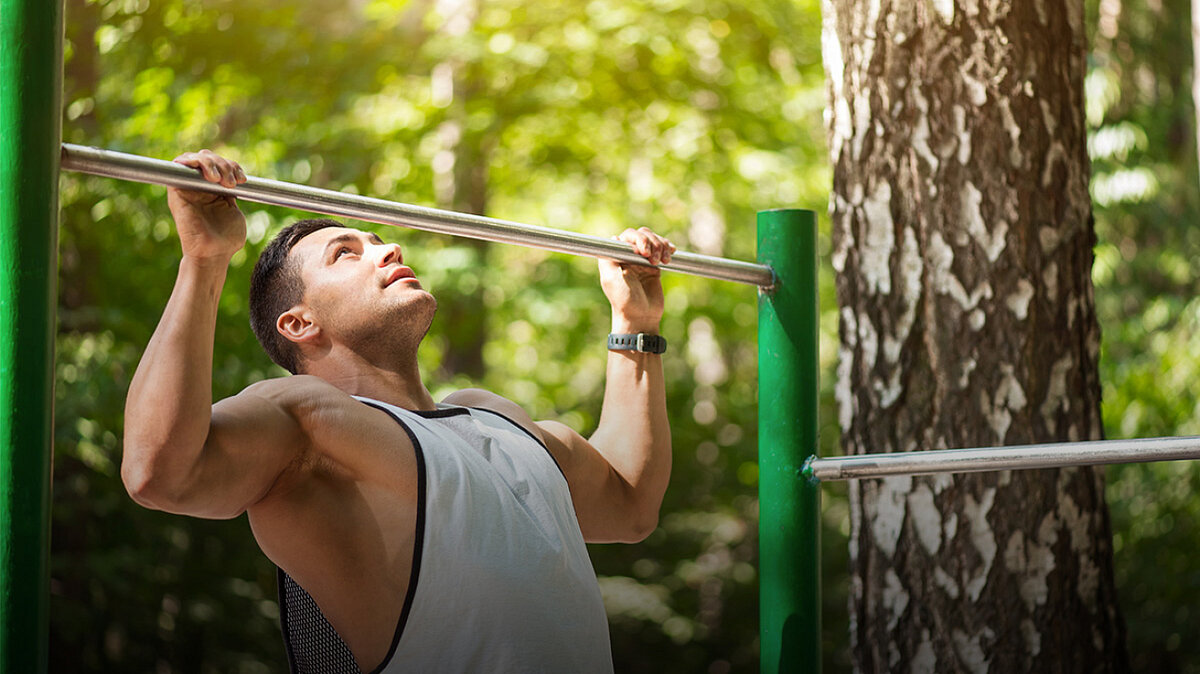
{"x":962,"y":237}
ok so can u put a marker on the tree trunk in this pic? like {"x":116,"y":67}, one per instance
{"x":962,"y":237}
{"x":1196,"y":73}
{"x":460,"y":183}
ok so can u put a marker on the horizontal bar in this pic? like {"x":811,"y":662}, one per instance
{"x":112,"y":164}
{"x":1017,"y":457}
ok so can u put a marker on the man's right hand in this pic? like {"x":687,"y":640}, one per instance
{"x":211,"y":227}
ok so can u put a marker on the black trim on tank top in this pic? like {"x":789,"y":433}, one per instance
{"x":438,"y":413}
{"x":418,"y":534}
{"x":527,"y":432}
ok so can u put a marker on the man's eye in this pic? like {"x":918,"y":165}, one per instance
{"x":341,"y":251}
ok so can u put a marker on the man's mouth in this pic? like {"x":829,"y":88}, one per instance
{"x":400,"y":274}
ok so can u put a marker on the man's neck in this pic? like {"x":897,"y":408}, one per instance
{"x":397,"y":383}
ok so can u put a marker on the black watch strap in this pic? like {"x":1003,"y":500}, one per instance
{"x":642,"y":341}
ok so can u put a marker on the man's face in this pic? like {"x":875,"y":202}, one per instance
{"x":358,"y":287}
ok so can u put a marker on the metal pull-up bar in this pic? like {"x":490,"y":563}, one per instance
{"x":1016,"y":457}
{"x":140,"y":169}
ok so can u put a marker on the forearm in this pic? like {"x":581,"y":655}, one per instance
{"x":634,"y":435}
{"x":169,"y":406}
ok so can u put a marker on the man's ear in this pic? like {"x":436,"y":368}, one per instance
{"x":297,"y":325}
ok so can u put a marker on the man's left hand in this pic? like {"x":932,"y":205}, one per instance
{"x":635,"y":291}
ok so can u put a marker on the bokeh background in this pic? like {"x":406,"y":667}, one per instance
{"x":683,"y":115}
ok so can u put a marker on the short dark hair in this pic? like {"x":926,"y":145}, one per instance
{"x":276,"y":286}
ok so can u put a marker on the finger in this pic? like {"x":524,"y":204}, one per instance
{"x":656,"y":243}
{"x":238,"y":173}
{"x":203,"y":160}
{"x":661,"y":248}
{"x":221,"y":166}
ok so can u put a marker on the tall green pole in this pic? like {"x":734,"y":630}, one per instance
{"x":788,"y":505}
{"x":30,"y":133}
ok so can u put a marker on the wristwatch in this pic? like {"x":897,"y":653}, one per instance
{"x":642,"y":341}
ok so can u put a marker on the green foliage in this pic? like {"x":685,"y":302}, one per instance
{"x":687,"y":116}
{"x":1147,"y":276}
{"x":684,"y":115}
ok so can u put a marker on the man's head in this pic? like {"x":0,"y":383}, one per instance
{"x":319,"y":278}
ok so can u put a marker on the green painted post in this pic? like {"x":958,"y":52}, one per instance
{"x":788,"y":505}
{"x":30,"y":134}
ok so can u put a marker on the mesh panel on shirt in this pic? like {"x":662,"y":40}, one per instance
{"x":313,"y":646}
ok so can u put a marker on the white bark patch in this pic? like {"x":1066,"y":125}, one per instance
{"x":941,"y":257}
{"x":951,"y":522}
{"x":1015,"y":157}
{"x":941,"y":481}
{"x":1018,"y":301}
{"x":970,"y":650}
{"x":1049,"y":238}
{"x":1033,"y":638}
{"x":911,"y":267}
{"x":1010,"y":397}
{"x":962,"y":134}
{"x":842,"y":390}
{"x":920,"y":134}
{"x":889,"y":512}
{"x":924,"y":661}
{"x":879,"y":240}
{"x":976,"y":320}
{"x":1056,"y":392}
{"x":976,"y":89}
{"x":944,"y":10}
{"x":1040,"y":5}
{"x":1048,"y":118}
{"x":1050,"y":280}
{"x":868,"y":340}
{"x":1057,"y":154}
{"x":982,"y":538}
{"x":992,"y":243}
{"x":1005,"y":478}
{"x":1078,"y":525}
{"x":889,"y":391}
{"x":944,"y":581}
{"x":1035,"y":561}
{"x":895,"y":598}
{"x":964,"y":373}
{"x":1014,"y":553}
{"x":837,"y":120}
{"x":838,"y":257}
{"x":862,"y":120}
{"x":926,"y":518}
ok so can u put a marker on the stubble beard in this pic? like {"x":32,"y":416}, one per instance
{"x":396,"y":332}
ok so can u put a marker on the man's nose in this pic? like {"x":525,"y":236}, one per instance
{"x":389,"y":253}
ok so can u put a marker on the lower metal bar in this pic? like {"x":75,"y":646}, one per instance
{"x":1019,"y":457}
{"x":135,"y":168}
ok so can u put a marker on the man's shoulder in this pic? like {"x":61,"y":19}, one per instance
{"x":295,"y":390}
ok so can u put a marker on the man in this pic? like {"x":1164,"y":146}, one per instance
{"x":410,"y":535}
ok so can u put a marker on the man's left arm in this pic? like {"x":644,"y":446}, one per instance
{"x":618,"y":476}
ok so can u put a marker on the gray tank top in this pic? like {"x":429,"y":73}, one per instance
{"x":501,"y":580}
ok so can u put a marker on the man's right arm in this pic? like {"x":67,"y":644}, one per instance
{"x":182,"y":453}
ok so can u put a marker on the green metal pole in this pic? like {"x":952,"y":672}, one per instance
{"x":30,"y":133}
{"x":788,"y":505}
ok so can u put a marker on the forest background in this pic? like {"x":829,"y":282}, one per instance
{"x":683,"y":115}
